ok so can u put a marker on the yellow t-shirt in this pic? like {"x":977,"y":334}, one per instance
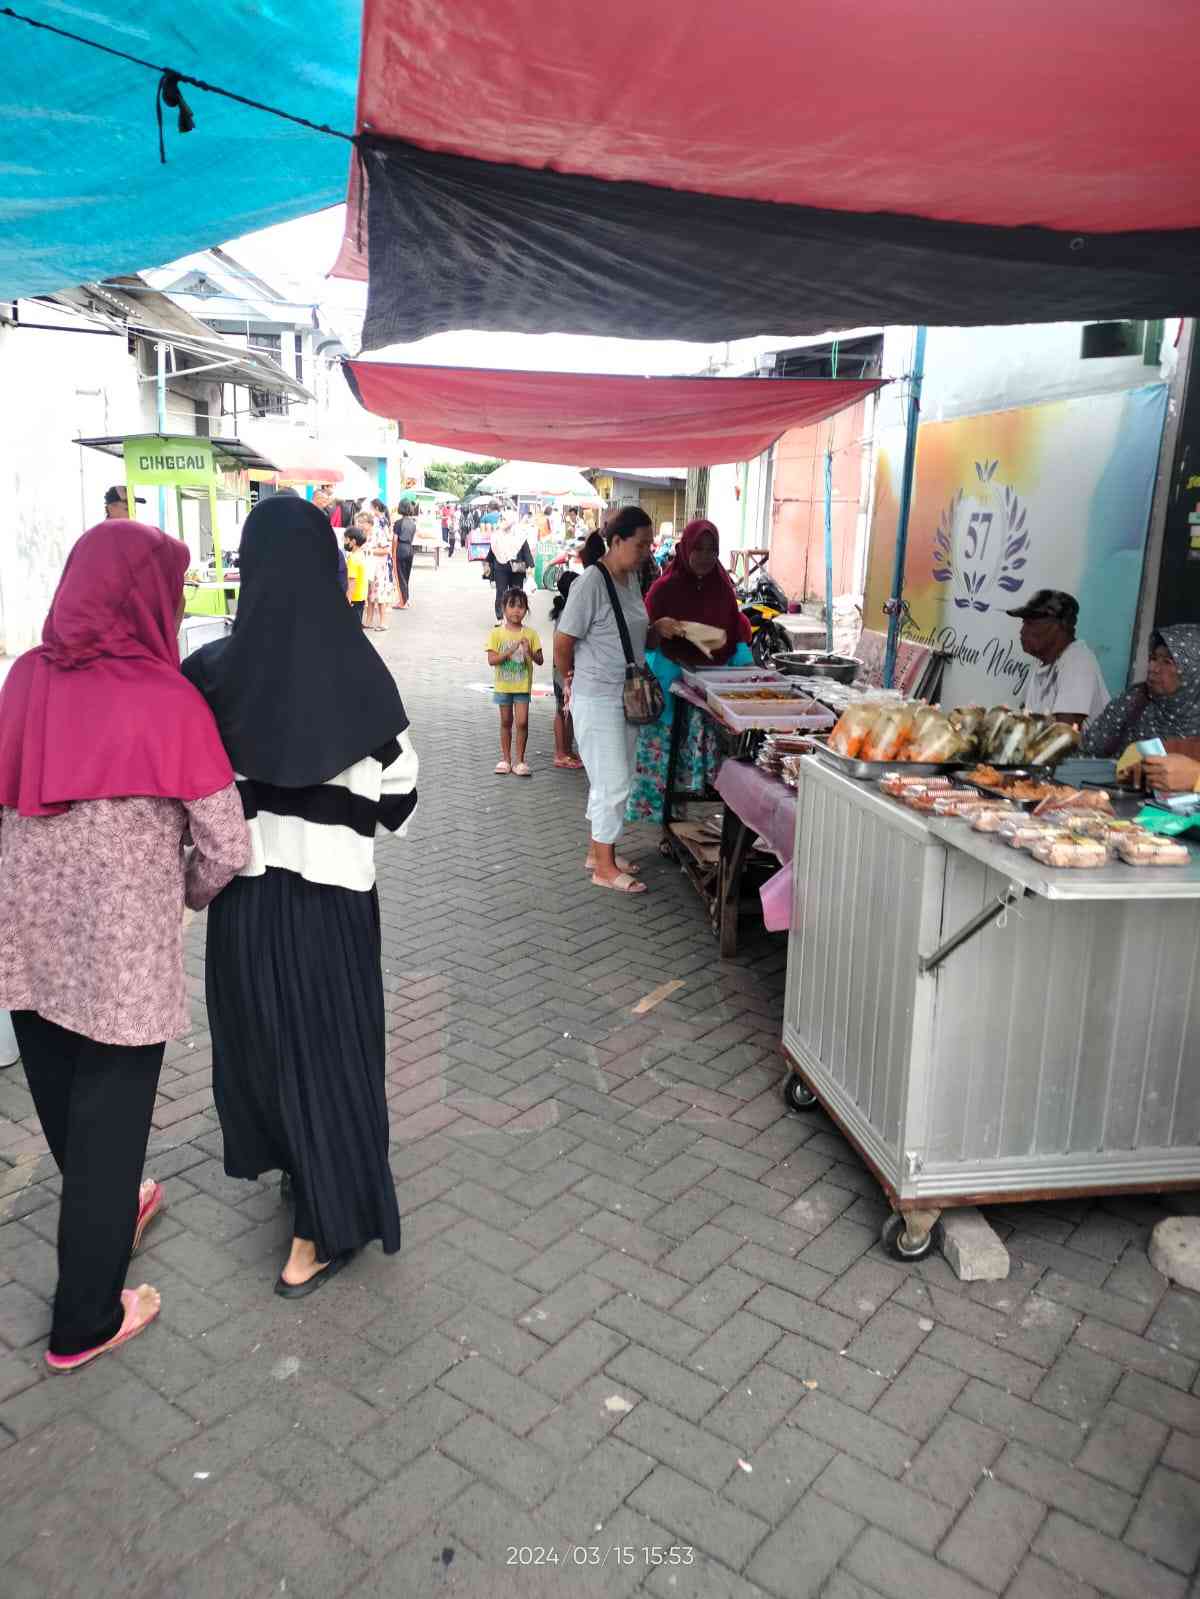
{"x":356,"y":575}
{"x":514,"y":676}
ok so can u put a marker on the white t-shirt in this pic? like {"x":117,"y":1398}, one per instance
{"x":1073,"y":685}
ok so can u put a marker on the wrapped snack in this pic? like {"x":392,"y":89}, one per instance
{"x":889,"y":734}
{"x":1086,"y":824}
{"x":1011,"y":741}
{"x":924,"y":714}
{"x":1068,"y":849}
{"x":852,"y":728}
{"x":1023,"y":832}
{"x":990,"y":818}
{"x":1050,"y":744}
{"x":1149,"y":849}
{"x":900,"y":784}
{"x":937,"y":740}
{"x":992,"y":721}
{"x":968,"y":720}
{"x":958,"y":803}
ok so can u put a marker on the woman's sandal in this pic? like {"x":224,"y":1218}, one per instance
{"x":131,"y":1325}
{"x":152,"y":1201}
{"x":502,"y":768}
{"x":623,"y":883}
{"x":630,"y":868}
{"x":568,"y":763}
{"x":287,"y":1290}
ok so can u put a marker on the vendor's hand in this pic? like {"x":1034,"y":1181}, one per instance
{"x":1173,"y":774}
{"x":668,"y":627}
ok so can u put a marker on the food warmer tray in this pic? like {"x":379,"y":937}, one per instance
{"x":872,"y":771}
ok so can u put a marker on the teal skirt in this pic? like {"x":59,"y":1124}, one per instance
{"x":699,"y":754}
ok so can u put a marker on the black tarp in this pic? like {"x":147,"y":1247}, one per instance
{"x":459,"y":243}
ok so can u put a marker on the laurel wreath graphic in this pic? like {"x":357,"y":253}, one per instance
{"x":991,"y":553}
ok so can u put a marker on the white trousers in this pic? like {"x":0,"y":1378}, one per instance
{"x":606,"y":745}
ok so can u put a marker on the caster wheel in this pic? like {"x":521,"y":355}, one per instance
{"x":892,"y":1238}
{"x":798,"y":1095}
{"x":666,"y":851}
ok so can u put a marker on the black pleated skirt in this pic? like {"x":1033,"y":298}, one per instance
{"x":295,"y":1004}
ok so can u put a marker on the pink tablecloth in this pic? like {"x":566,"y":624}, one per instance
{"x":769,"y":807}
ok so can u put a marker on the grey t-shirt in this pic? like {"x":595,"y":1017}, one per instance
{"x":589,"y":619}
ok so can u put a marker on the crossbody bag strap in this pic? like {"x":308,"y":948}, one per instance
{"x":622,"y":626}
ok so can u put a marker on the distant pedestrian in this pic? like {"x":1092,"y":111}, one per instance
{"x":510,"y":558}
{"x":378,"y":555}
{"x":116,"y":503}
{"x":315,"y":726}
{"x":564,"y":729}
{"x":110,"y":768}
{"x":405,"y":529}
{"x":357,"y":581}
{"x":514,"y":650}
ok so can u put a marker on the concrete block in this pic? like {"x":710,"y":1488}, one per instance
{"x":1175,"y":1250}
{"x":973,"y":1250}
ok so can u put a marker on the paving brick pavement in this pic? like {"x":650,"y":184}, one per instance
{"x":639,"y":1306}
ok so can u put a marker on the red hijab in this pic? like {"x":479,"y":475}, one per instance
{"x":100,"y":709}
{"x":679,"y":593}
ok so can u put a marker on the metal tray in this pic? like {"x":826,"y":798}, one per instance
{"x":872,"y":771}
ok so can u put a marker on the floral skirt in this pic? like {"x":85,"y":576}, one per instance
{"x":699,"y":758}
{"x":380,"y":588}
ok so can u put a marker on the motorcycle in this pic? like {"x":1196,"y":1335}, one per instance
{"x":761,"y":604}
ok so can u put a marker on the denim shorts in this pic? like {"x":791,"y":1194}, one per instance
{"x":501,"y":697}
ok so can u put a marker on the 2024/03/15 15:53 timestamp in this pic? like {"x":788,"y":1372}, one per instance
{"x":581,"y":1554}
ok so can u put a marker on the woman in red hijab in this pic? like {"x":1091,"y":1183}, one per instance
{"x":110,"y":765}
{"x":694,"y":588}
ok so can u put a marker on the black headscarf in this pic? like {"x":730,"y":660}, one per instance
{"x":298,"y":690}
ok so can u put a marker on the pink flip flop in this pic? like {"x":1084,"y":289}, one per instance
{"x":127,"y":1331}
{"x":153,"y":1205}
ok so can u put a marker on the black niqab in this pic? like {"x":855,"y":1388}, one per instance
{"x":298,"y":690}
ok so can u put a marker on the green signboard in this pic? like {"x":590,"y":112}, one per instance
{"x":173,"y":462}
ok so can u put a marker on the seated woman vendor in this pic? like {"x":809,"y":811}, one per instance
{"x":695,"y":588}
{"x":1166,"y":707}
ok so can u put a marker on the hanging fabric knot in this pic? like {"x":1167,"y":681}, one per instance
{"x":169,"y":94}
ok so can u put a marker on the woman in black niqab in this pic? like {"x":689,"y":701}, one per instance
{"x":318,"y":737}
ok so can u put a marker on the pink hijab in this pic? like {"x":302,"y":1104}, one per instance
{"x":100,"y":709}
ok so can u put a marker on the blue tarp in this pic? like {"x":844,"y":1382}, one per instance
{"x":82,"y":192}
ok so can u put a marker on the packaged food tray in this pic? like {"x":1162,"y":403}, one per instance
{"x":872,"y":771}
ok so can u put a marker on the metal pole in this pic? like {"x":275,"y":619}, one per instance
{"x":160,"y":394}
{"x":829,"y":550}
{"x":895,"y":605}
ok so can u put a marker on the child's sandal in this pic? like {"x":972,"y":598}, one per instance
{"x":503,"y":768}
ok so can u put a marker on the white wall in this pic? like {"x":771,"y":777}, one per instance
{"x":972,"y":370}
{"x":54,"y":387}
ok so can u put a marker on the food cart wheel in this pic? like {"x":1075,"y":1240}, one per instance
{"x":798,"y":1095}
{"x":896,"y":1242}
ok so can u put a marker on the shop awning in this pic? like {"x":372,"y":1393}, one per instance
{"x":84,"y":192}
{"x":554,"y":480}
{"x":231,"y":455}
{"x":571,"y":416}
{"x":712,"y":172}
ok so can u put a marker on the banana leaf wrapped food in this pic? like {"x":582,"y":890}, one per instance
{"x":990,"y":725}
{"x":1011,"y":742}
{"x":1049,"y":745}
{"x":937,"y":740}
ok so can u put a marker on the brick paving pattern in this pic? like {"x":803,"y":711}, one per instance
{"x":639,"y":1306}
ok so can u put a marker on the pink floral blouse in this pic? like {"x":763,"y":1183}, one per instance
{"x":91,"y":909}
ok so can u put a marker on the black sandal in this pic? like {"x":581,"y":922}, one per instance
{"x":287,"y":1290}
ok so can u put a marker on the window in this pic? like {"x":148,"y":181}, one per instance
{"x":299,"y":339}
{"x":203,"y":419}
{"x":267,"y":402}
{"x":1104,"y":340}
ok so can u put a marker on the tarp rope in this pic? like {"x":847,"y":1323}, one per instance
{"x":168,"y":86}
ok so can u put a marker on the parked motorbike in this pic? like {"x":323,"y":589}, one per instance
{"x":761,"y":604}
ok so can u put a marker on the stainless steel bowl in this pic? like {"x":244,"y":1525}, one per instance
{"x":815,"y":663}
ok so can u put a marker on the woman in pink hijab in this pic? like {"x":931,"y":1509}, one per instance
{"x":118,"y":804}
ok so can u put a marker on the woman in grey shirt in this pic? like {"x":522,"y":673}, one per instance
{"x":589,"y":658}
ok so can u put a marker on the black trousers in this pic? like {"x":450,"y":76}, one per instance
{"x":505,"y":578}
{"x":94,"y":1102}
{"x":404,"y":566}
{"x":358,"y":606}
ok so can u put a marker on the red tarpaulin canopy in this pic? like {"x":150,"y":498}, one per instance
{"x":1011,"y":143}
{"x":570,"y":417}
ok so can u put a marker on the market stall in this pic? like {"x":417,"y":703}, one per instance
{"x":714,"y":842}
{"x":983,"y":1024}
{"x":210,"y":470}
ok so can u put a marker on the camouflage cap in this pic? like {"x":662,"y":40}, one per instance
{"x":1052,"y":604}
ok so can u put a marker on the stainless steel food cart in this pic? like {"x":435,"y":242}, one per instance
{"x":982,"y":1027}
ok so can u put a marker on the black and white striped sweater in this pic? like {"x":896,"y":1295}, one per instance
{"x":326,"y":834}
